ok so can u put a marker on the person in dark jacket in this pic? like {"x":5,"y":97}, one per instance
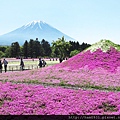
{"x":5,"y":62}
{"x":40,"y":63}
{"x":60,"y":59}
{"x":21,"y":64}
{"x":0,"y":66}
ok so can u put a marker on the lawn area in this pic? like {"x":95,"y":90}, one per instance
{"x":30,"y":61}
{"x":14,"y":64}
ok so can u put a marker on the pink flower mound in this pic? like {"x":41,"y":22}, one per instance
{"x":109,"y":60}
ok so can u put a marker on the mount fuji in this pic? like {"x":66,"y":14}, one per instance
{"x":33,"y":30}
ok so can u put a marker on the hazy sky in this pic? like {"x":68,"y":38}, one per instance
{"x":84,"y":20}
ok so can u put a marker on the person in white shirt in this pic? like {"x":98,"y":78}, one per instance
{"x":5,"y":62}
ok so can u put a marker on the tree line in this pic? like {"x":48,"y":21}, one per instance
{"x":35,"y":48}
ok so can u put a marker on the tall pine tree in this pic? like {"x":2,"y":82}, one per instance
{"x":25,"y":49}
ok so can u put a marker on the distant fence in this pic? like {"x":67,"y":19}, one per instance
{"x":17,"y":67}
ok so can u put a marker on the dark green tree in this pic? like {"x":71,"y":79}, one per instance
{"x":35,"y":49}
{"x":25,"y":49}
{"x":21,"y":51}
{"x":74,"y":52}
{"x":84,"y":46}
{"x":55,"y":52}
{"x":31,"y":47}
{"x":2,"y":54}
{"x":8,"y":51}
{"x":62,"y":46}
{"x":38,"y":50}
{"x":15,"y":49}
{"x":3,"y":48}
{"x":46,"y":47}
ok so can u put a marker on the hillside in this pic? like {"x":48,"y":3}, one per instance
{"x":104,"y":45}
{"x":104,"y":54}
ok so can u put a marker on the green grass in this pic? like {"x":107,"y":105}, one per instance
{"x":32,"y":62}
{"x":104,"y":45}
{"x":15,"y":65}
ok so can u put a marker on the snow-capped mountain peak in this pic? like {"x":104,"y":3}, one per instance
{"x":33,"y":23}
{"x":32,"y":30}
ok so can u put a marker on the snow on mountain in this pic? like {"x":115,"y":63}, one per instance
{"x":31,"y":24}
{"x":33,"y":30}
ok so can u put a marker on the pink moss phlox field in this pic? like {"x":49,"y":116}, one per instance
{"x":109,"y":60}
{"x":23,"y":99}
{"x":81,"y":77}
{"x":101,"y":69}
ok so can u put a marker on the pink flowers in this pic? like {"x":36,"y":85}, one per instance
{"x":98,"y":78}
{"x":22,"y":94}
{"x":109,"y":60}
{"x":22,"y":99}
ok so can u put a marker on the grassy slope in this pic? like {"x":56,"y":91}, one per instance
{"x":104,"y":45}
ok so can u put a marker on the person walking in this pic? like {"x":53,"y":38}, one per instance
{"x":21,"y":65}
{"x":0,"y":66}
{"x":5,"y":62}
{"x":60,"y":59}
{"x":40,"y":63}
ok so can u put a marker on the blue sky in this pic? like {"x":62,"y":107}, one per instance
{"x":85,"y":20}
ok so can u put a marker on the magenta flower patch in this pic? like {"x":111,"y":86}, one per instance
{"x":109,"y":60}
{"x":22,"y":99}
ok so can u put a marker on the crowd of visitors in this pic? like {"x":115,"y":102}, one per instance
{"x":42,"y":63}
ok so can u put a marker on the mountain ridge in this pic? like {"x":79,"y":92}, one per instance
{"x":33,"y":30}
